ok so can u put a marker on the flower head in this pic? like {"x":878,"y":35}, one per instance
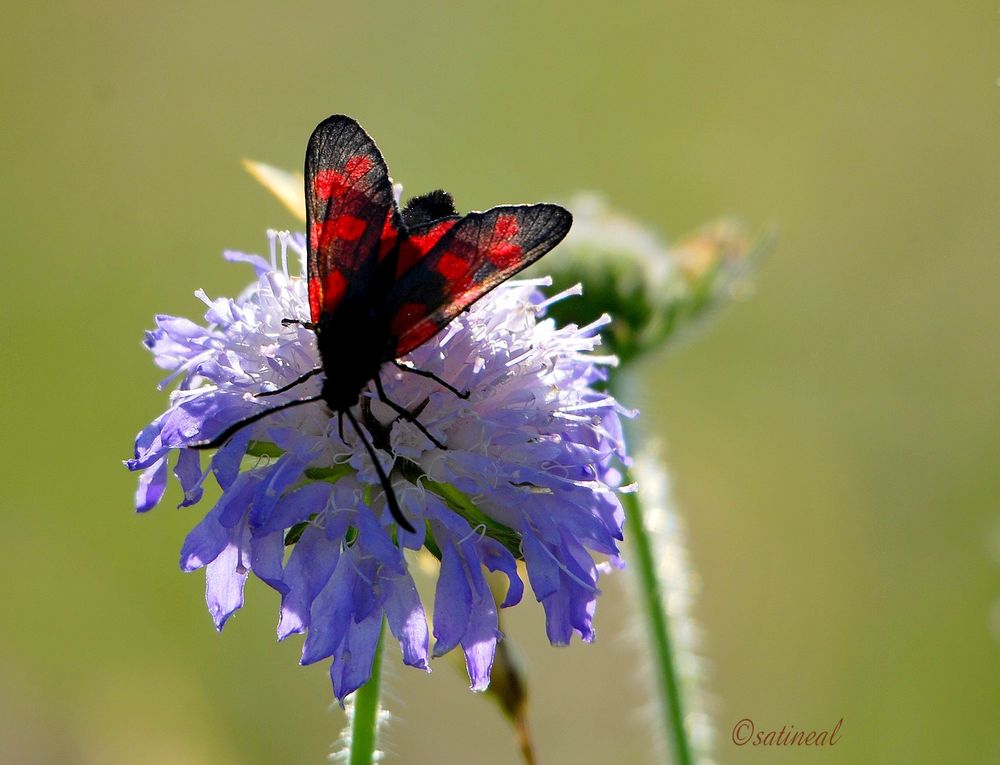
{"x":529,"y":473}
{"x":651,"y":289}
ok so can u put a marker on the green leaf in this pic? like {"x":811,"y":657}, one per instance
{"x":295,"y":532}
{"x":461,"y":503}
{"x":330,"y":474}
{"x":264,"y":449}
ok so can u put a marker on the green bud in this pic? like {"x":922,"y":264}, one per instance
{"x":650,"y":289}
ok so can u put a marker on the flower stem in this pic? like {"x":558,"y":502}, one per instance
{"x":652,"y":600}
{"x":657,"y":624}
{"x":365,"y":718}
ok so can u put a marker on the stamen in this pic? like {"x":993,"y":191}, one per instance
{"x":576,"y":289}
{"x":475,"y":531}
{"x":201,"y":480}
{"x":610,"y":360}
{"x":571,"y":417}
{"x":453,"y":329}
{"x":544,"y":281}
{"x":300,"y":251}
{"x":598,"y":404}
{"x":283,"y":239}
{"x":319,"y":520}
{"x":624,"y":411}
{"x":602,"y":321}
{"x":518,"y":359}
{"x":271,"y":234}
{"x":589,"y":586}
{"x":411,"y":491}
{"x":354,"y":565}
{"x":204,"y":298}
{"x":183,"y":369}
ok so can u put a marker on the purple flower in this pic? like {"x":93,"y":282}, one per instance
{"x":529,"y":474}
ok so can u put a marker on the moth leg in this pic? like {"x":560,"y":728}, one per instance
{"x":420,"y":407}
{"x":404,"y":413}
{"x":430,"y":375}
{"x":292,"y":322}
{"x":390,"y":495}
{"x":340,"y":427}
{"x":229,"y":432}
{"x":292,"y":384}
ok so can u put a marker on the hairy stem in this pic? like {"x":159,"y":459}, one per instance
{"x":658,"y":629}
{"x":365,"y":718}
{"x":652,"y":603}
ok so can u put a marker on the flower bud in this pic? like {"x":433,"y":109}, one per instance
{"x":650,"y":289}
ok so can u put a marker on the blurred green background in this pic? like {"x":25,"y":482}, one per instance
{"x":833,"y":441}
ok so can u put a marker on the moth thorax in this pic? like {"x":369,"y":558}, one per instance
{"x":351,"y":359}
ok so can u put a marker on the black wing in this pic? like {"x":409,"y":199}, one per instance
{"x":349,"y":208}
{"x":475,"y":255}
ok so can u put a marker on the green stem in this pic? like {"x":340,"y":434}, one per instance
{"x":364,"y":722}
{"x":652,"y":602}
{"x":657,"y":624}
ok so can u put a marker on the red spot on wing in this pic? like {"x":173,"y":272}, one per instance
{"x":506,"y":226}
{"x":407,"y":315}
{"x":348,"y":227}
{"x":315,"y":298}
{"x":325,"y":294}
{"x":456,"y":272}
{"x":390,"y":234}
{"x":328,"y":183}
{"x":333,"y":290}
{"x":452,"y":267}
{"x":505,"y":254}
{"x":415,"y":247}
{"x":357,"y":166}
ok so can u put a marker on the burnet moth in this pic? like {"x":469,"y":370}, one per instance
{"x":382,"y":281}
